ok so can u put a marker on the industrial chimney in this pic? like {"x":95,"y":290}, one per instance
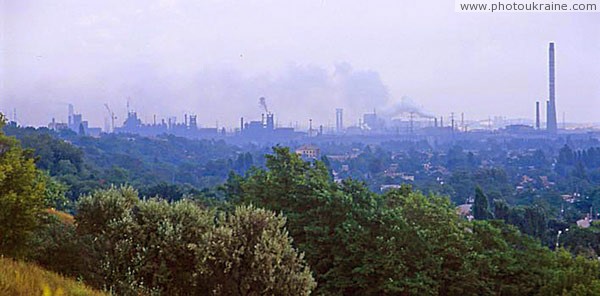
{"x":551,"y":125}
{"x":537,"y":115}
{"x":339,"y":120}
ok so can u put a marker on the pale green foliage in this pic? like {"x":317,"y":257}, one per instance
{"x":154,"y":247}
{"x":250,"y":253}
{"x":103,"y":207}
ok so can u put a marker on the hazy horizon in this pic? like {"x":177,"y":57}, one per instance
{"x":216,"y":58}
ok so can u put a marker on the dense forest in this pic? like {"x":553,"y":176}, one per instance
{"x":131,"y":216}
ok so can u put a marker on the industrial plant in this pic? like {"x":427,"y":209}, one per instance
{"x":404,"y":120}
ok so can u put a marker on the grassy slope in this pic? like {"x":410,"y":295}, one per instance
{"x":20,"y":278}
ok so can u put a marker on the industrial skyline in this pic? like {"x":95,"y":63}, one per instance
{"x":215,"y":58}
{"x":404,"y":117}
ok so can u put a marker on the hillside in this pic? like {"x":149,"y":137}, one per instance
{"x":20,"y":278}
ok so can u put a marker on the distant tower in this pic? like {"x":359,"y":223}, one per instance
{"x":70,"y":118}
{"x":339,"y":120}
{"x":537,"y":115}
{"x":551,"y":125}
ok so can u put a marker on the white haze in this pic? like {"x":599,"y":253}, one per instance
{"x":217,"y":58}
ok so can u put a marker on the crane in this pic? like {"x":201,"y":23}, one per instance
{"x":112,"y":118}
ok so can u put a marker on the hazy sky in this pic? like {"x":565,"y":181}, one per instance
{"x":216,"y":58}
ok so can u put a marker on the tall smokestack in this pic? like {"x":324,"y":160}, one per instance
{"x":339,"y":120}
{"x":551,"y":125}
{"x":547,"y":108}
{"x":537,"y":115}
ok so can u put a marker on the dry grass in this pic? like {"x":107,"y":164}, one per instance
{"x":62,"y":216}
{"x":26,"y":279}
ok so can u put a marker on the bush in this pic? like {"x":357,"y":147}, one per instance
{"x":155,"y":247}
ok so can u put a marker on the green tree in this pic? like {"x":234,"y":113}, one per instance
{"x":501,"y":210}
{"x":21,"y":196}
{"x":481,"y":209}
{"x":507,"y":262}
{"x":358,"y":242}
{"x":570,"y":276}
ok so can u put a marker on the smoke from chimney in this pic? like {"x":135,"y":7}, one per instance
{"x":406,"y":105}
{"x":263,"y":104}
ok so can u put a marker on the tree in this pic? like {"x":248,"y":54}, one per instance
{"x":358,"y":242}
{"x":508,"y":262}
{"x":501,"y":210}
{"x":21,"y":196}
{"x":481,"y":207}
{"x":250,"y":253}
{"x":577,"y":276}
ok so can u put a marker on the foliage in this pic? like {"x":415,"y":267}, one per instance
{"x":402,"y":242}
{"x":156,"y":247}
{"x":57,"y":247}
{"x":85,"y":164}
{"x":507,"y":262}
{"x":573,"y":277}
{"x":247,"y":254}
{"x":481,"y":208}
{"x":21,"y":196}
{"x":355,"y":241}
